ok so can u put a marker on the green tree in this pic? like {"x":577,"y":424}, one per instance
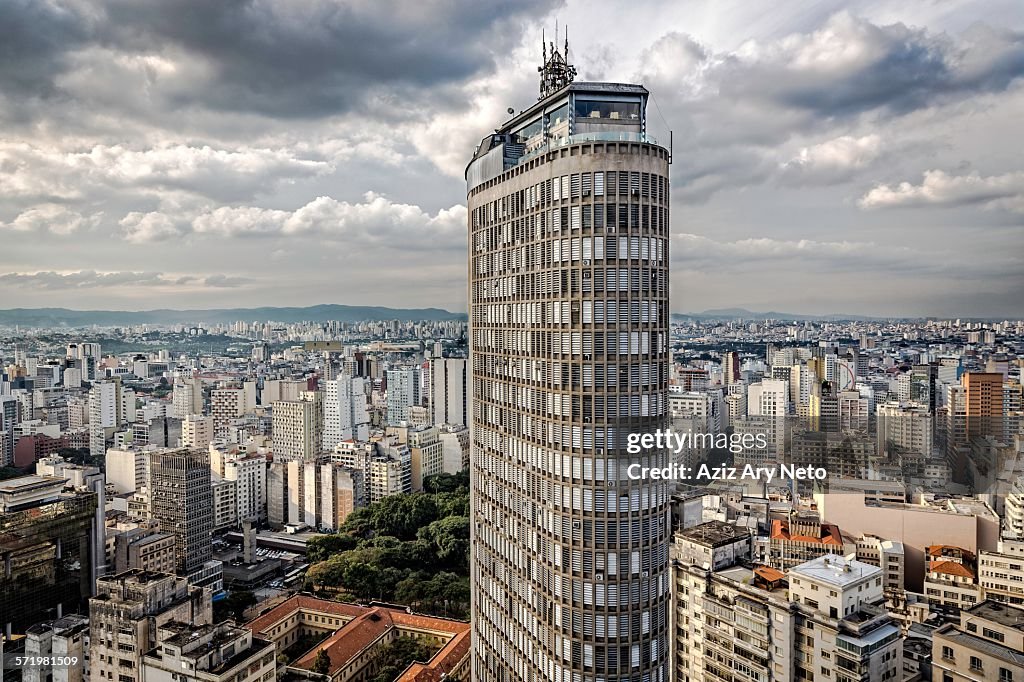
{"x":449,"y":536}
{"x":321,"y":662}
{"x":397,"y":655}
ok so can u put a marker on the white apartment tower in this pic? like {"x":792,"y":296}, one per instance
{"x":346,"y":416}
{"x":568,"y":287}
{"x":448,"y":391}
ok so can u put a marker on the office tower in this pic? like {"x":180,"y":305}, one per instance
{"x":48,"y":550}
{"x":983,"y":398}
{"x":346,"y":416}
{"x":127,"y":612}
{"x":403,"y":393}
{"x":179,"y":483}
{"x":187,"y":396}
{"x":568,"y":260}
{"x":731,"y":368}
{"x":904,"y":429}
{"x":984,"y":645}
{"x":298,"y":426}
{"x":196,"y":431}
{"x":823,"y":407}
{"x":448,"y":391}
{"x":106,"y":413}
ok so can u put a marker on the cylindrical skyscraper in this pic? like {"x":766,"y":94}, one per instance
{"x":568,"y":290}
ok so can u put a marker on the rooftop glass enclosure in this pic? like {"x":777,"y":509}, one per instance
{"x":577,"y":113}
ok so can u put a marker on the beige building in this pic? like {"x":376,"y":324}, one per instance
{"x":904,"y":428}
{"x":951,"y":577}
{"x":298,"y":426}
{"x":1001,"y":573}
{"x":964,"y":523}
{"x":427,"y":454}
{"x":197,"y":431}
{"x":825,"y":623}
{"x":887,"y":555}
{"x":987,"y":644}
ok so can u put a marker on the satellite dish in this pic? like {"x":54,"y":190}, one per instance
{"x":511,"y":111}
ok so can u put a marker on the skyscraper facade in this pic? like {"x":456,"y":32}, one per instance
{"x":568,"y":276}
{"x":182,"y":504}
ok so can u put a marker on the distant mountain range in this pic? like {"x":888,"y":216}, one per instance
{"x":63,"y":317}
{"x":743,"y":314}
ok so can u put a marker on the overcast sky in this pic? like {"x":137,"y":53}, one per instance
{"x":830,"y":157}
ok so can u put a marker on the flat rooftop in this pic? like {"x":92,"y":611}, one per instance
{"x":714,"y":534}
{"x":1004,"y":614}
{"x":24,"y":484}
{"x":835,"y":570}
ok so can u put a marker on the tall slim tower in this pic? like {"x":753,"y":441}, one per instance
{"x":568,"y":290}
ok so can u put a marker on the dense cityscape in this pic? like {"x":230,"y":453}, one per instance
{"x":547,"y":465}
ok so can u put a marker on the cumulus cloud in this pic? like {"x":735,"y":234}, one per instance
{"x":33,"y":171}
{"x":376,"y":220}
{"x":938,"y":188}
{"x":834,"y":160}
{"x":51,"y":218}
{"x":140,"y":228}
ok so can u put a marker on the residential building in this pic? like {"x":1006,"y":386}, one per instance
{"x":449,"y":391}
{"x":985,"y":645}
{"x":568,"y":231}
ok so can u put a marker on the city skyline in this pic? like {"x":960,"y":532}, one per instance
{"x":835,"y":158}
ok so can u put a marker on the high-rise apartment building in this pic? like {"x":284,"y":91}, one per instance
{"x":346,"y":416}
{"x":298,"y":426}
{"x":227,"y":404}
{"x":904,"y":429}
{"x":448,"y":391}
{"x":107,"y":411}
{"x":187,"y":397}
{"x":403,"y":393}
{"x":983,"y":398}
{"x":196,"y":431}
{"x":568,"y":260}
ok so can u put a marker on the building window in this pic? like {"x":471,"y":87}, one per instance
{"x":1005,"y":675}
{"x":947,"y":653}
{"x":975,"y":663}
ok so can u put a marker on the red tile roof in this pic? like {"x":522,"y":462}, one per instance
{"x":951,"y":568}
{"x":367,"y":625}
{"x":830,"y":534}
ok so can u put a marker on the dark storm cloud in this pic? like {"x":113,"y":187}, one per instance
{"x":853,"y":66}
{"x":296,"y":59}
{"x":311,"y":58}
{"x":35,"y":38}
